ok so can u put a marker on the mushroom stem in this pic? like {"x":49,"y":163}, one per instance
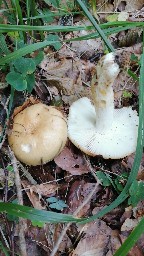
{"x":102,"y":91}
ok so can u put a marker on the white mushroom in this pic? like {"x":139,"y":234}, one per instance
{"x":39,"y":134}
{"x":101,"y":129}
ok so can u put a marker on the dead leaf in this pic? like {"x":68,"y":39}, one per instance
{"x":129,"y":224}
{"x":79,"y":191}
{"x":35,"y":192}
{"x":70,"y":162}
{"x":66,"y":242}
{"x":98,"y":240}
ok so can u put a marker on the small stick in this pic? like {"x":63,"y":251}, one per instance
{"x":22,"y":223}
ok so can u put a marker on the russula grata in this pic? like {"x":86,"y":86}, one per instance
{"x":38,"y":135}
{"x":100,"y":129}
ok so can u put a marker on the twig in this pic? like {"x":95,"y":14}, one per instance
{"x":58,"y":242}
{"x":4,"y":238}
{"x":22,"y":223}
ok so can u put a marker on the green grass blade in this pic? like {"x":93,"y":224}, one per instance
{"x":3,"y":45}
{"x":18,"y":11}
{"x":96,"y":26}
{"x":4,"y":249}
{"x":26,"y":28}
{"x":23,"y":51}
{"x":36,"y":215}
{"x":112,"y":25}
{"x":131,"y":240}
{"x":107,"y":31}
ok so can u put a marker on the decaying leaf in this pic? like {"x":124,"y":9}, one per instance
{"x":71,"y":162}
{"x":79,"y":191}
{"x":35,"y":192}
{"x":98,"y":240}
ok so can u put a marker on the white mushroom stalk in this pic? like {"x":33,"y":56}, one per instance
{"x":102,"y":91}
{"x":100,"y":129}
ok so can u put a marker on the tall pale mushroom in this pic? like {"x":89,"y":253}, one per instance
{"x":100,"y":129}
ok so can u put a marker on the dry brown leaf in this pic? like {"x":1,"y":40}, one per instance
{"x":70,"y":162}
{"x":66,"y":242}
{"x":132,"y":5}
{"x":79,"y":191}
{"x":44,"y":189}
{"x":35,"y":192}
{"x":129,"y":224}
{"x":98,"y":240}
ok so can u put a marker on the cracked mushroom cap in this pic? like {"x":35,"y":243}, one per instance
{"x":115,"y":142}
{"x":39,"y":134}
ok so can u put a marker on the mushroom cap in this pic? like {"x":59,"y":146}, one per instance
{"x":115,"y":142}
{"x":39,"y":134}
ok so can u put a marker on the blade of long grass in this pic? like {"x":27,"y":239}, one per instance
{"x":107,"y":31}
{"x":40,"y":16}
{"x":4,"y":249}
{"x":8,"y":28}
{"x":18,"y":11}
{"x":23,"y":51}
{"x":3,"y":45}
{"x":36,"y":215}
{"x":131,"y":240}
{"x":96,"y":26}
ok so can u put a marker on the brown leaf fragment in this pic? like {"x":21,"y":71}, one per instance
{"x":44,"y":189}
{"x":79,"y":191}
{"x":34,"y":198}
{"x":98,"y":240}
{"x":35,"y":192}
{"x":66,"y":242}
{"x":73,"y":163}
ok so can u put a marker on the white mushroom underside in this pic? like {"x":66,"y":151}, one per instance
{"x":117,"y":141}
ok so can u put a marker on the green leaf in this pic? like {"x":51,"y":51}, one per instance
{"x":126,"y":94}
{"x":52,"y":199}
{"x":23,"y":51}
{"x":59,"y":205}
{"x":55,"y":3}
{"x":30,"y":82}
{"x":136,"y":192}
{"x":120,"y":181}
{"x":37,"y":215}
{"x":25,"y":65}
{"x":39,"y":224}
{"x":16,"y":80}
{"x":39,"y":57}
{"x":133,"y":75}
{"x":103,"y":178}
{"x":55,"y":42}
{"x":10,"y":168}
{"x":45,"y":15}
{"x":134,"y":57}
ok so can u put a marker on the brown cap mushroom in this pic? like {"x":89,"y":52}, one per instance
{"x":39,"y":134}
{"x":101,"y":129}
